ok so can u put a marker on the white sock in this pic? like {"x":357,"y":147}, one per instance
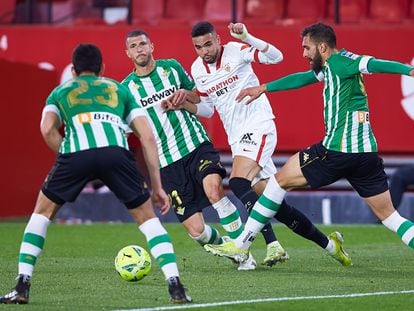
{"x":210,"y":235}
{"x":229,"y":217}
{"x":330,"y":247}
{"x":263,"y":210}
{"x":160,"y":246}
{"x":402,"y":226}
{"x":32,"y":243}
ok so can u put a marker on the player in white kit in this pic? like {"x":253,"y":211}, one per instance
{"x":220,"y":73}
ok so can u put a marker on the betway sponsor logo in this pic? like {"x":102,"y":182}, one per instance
{"x":222,"y":87}
{"x":156,"y":97}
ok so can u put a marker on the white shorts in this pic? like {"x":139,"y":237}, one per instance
{"x":258,"y":143}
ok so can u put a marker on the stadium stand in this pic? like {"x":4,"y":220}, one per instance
{"x":301,"y":12}
{"x":183,"y":10}
{"x":218,"y":11}
{"x":387,"y":11}
{"x":157,"y":12}
{"x":350,"y":11}
{"x":264,"y":11}
{"x":147,"y":12}
{"x":7,"y":8}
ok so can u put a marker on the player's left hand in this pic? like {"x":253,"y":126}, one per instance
{"x":412,"y":73}
{"x":238,"y":31}
{"x":253,"y":93}
{"x":175,"y":101}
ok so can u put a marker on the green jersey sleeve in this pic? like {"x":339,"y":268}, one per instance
{"x":385,"y":66}
{"x":348,"y":64}
{"x":52,"y":104}
{"x":292,"y":81}
{"x":132,"y":108}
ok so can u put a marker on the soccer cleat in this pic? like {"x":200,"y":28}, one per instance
{"x":275,"y":253}
{"x":19,"y":294}
{"x":177,"y":291}
{"x":338,"y":252}
{"x":248,"y":264}
{"x":229,"y":250}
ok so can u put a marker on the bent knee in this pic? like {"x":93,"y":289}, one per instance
{"x":213,"y":189}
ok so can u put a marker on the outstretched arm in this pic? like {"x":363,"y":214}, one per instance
{"x":292,"y":81}
{"x":386,"y":66}
{"x":269,"y":54}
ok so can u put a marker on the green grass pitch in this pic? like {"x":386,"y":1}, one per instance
{"x":76,"y":272}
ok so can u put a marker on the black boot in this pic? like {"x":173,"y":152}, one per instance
{"x":19,"y":294}
{"x":177,"y":291}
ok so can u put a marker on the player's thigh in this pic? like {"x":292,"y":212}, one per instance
{"x":290,"y":175}
{"x":253,"y":151}
{"x":244,"y":167}
{"x":184,"y":189}
{"x":69,"y":175}
{"x":118,"y":170}
{"x":366,"y":174}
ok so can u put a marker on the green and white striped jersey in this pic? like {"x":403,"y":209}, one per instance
{"x":346,"y":113}
{"x":95,"y":112}
{"x":177,"y":132}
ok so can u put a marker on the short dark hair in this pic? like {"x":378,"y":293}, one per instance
{"x":201,"y":29}
{"x":136,"y":33}
{"x":87,"y":57}
{"x":321,"y":32}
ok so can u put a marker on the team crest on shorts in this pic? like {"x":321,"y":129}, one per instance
{"x":204,"y":164}
{"x":305,"y":157}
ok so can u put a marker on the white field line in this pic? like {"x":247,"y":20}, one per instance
{"x":237,"y":302}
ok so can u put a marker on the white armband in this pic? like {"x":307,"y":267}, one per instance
{"x":363,"y":64}
{"x":51,"y":108}
{"x":272,"y":56}
{"x":255,"y":42}
{"x":205,"y":109}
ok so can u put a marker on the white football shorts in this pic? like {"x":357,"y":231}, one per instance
{"x":258,"y":143}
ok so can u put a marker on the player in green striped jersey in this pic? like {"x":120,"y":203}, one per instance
{"x":191,"y":170}
{"x":94,"y":110}
{"x":349,"y":148}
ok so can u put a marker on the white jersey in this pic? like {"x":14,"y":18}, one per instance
{"x":218,"y":84}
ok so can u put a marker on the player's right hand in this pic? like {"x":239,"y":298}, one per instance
{"x":238,"y":31}
{"x":251,"y":92}
{"x":160,"y":200}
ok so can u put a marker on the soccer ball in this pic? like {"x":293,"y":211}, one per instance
{"x":133,"y":263}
